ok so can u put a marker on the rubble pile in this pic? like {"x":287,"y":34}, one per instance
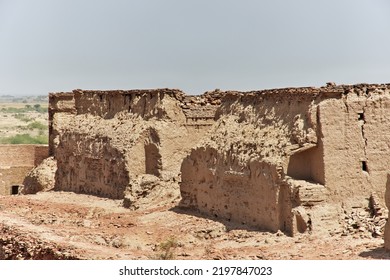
{"x":370,"y":221}
{"x":16,"y":246}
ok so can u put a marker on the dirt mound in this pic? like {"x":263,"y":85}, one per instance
{"x":150,"y":191}
{"x":41,"y":178}
{"x":21,"y":245}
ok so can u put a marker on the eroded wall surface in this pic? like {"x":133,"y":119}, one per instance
{"x":387,"y":227}
{"x":356,"y":137}
{"x":239,"y":172}
{"x":102,"y":140}
{"x":274,"y":158}
{"x":283,"y":159}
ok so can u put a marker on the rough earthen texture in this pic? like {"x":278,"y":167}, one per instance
{"x":40,"y":178}
{"x":275,"y":157}
{"x":387,"y":227}
{"x":283,"y":159}
{"x":15,"y":245}
{"x":105,"y":140}
{"x":60,"y":225}
{"x":294,"y":160}
{"x":16,"y":161}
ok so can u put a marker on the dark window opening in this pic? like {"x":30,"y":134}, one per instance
{"x":15,"y":190}
{"x":152,"y":160}
{"x":364,"y":166}
{"x":361,"y":116}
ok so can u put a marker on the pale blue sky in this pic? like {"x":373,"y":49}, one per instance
{"x":195,"y":45}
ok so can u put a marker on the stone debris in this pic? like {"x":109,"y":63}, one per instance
{"x":368,"y":221}
{"x":17,"y":246}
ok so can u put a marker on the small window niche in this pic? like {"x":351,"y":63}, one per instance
{"x":15,"y":190}
{"x":364,"y":166}
{"x":361,"y":116}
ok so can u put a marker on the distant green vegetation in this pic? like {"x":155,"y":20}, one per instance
{"x":22,"y":117}
{"x":36,"y":125}
{"x":27,"y":108}
{"x":25,"y":139}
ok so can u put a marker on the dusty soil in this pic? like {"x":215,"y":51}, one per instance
{"x":62,"y":225}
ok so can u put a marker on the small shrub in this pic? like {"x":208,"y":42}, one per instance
{"x":36,"y":125}
{"x":22,"y":117}
{"x":167,"y":248}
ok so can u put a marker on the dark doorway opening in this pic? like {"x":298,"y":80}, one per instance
{"x":15,"y":189}
{"x":364,"y":166}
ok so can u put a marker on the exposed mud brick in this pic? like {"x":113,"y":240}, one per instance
{"x":104,"y":140}
{"x":245,"y":157}
{"x":271,"y":151}
{"x":16,"y":161}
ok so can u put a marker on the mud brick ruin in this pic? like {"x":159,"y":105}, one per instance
{"x":104,"y":140}
{"x":15,"y":163}
{"x":285,"y":159}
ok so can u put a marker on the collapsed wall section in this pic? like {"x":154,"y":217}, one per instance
{"x":104,"y":140}
{"x":215,"y":185}
{"x":93,"y":166}
{"x":329,"y":146}
{"x":269,"y":159}
{"x":239,"y":172}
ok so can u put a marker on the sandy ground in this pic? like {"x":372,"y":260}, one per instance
{"x":60,"y":225}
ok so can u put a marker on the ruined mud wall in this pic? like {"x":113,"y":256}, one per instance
{"x":104,"y":139}
{"x":61,"y":108}
{"x":355,"y":141}
{"x":238,"y":173}
{"x":275,"y":157}
{"x":20,"y":155}
{"x":269,"y":159}
{"x":16,"y":161}
{"x":387,"y":227}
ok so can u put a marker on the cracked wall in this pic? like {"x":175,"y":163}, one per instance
{"x":238,"y":172}
{"x":104,"y":140}
{"x":271,"y":159}
{"x":329,"y":145}
{"x":356,"y":140}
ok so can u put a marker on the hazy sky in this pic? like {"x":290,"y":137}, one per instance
{"x":195,"y":45}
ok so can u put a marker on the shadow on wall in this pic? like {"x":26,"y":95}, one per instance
{"x":152,"y":160}
{"x":305,"y":165}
